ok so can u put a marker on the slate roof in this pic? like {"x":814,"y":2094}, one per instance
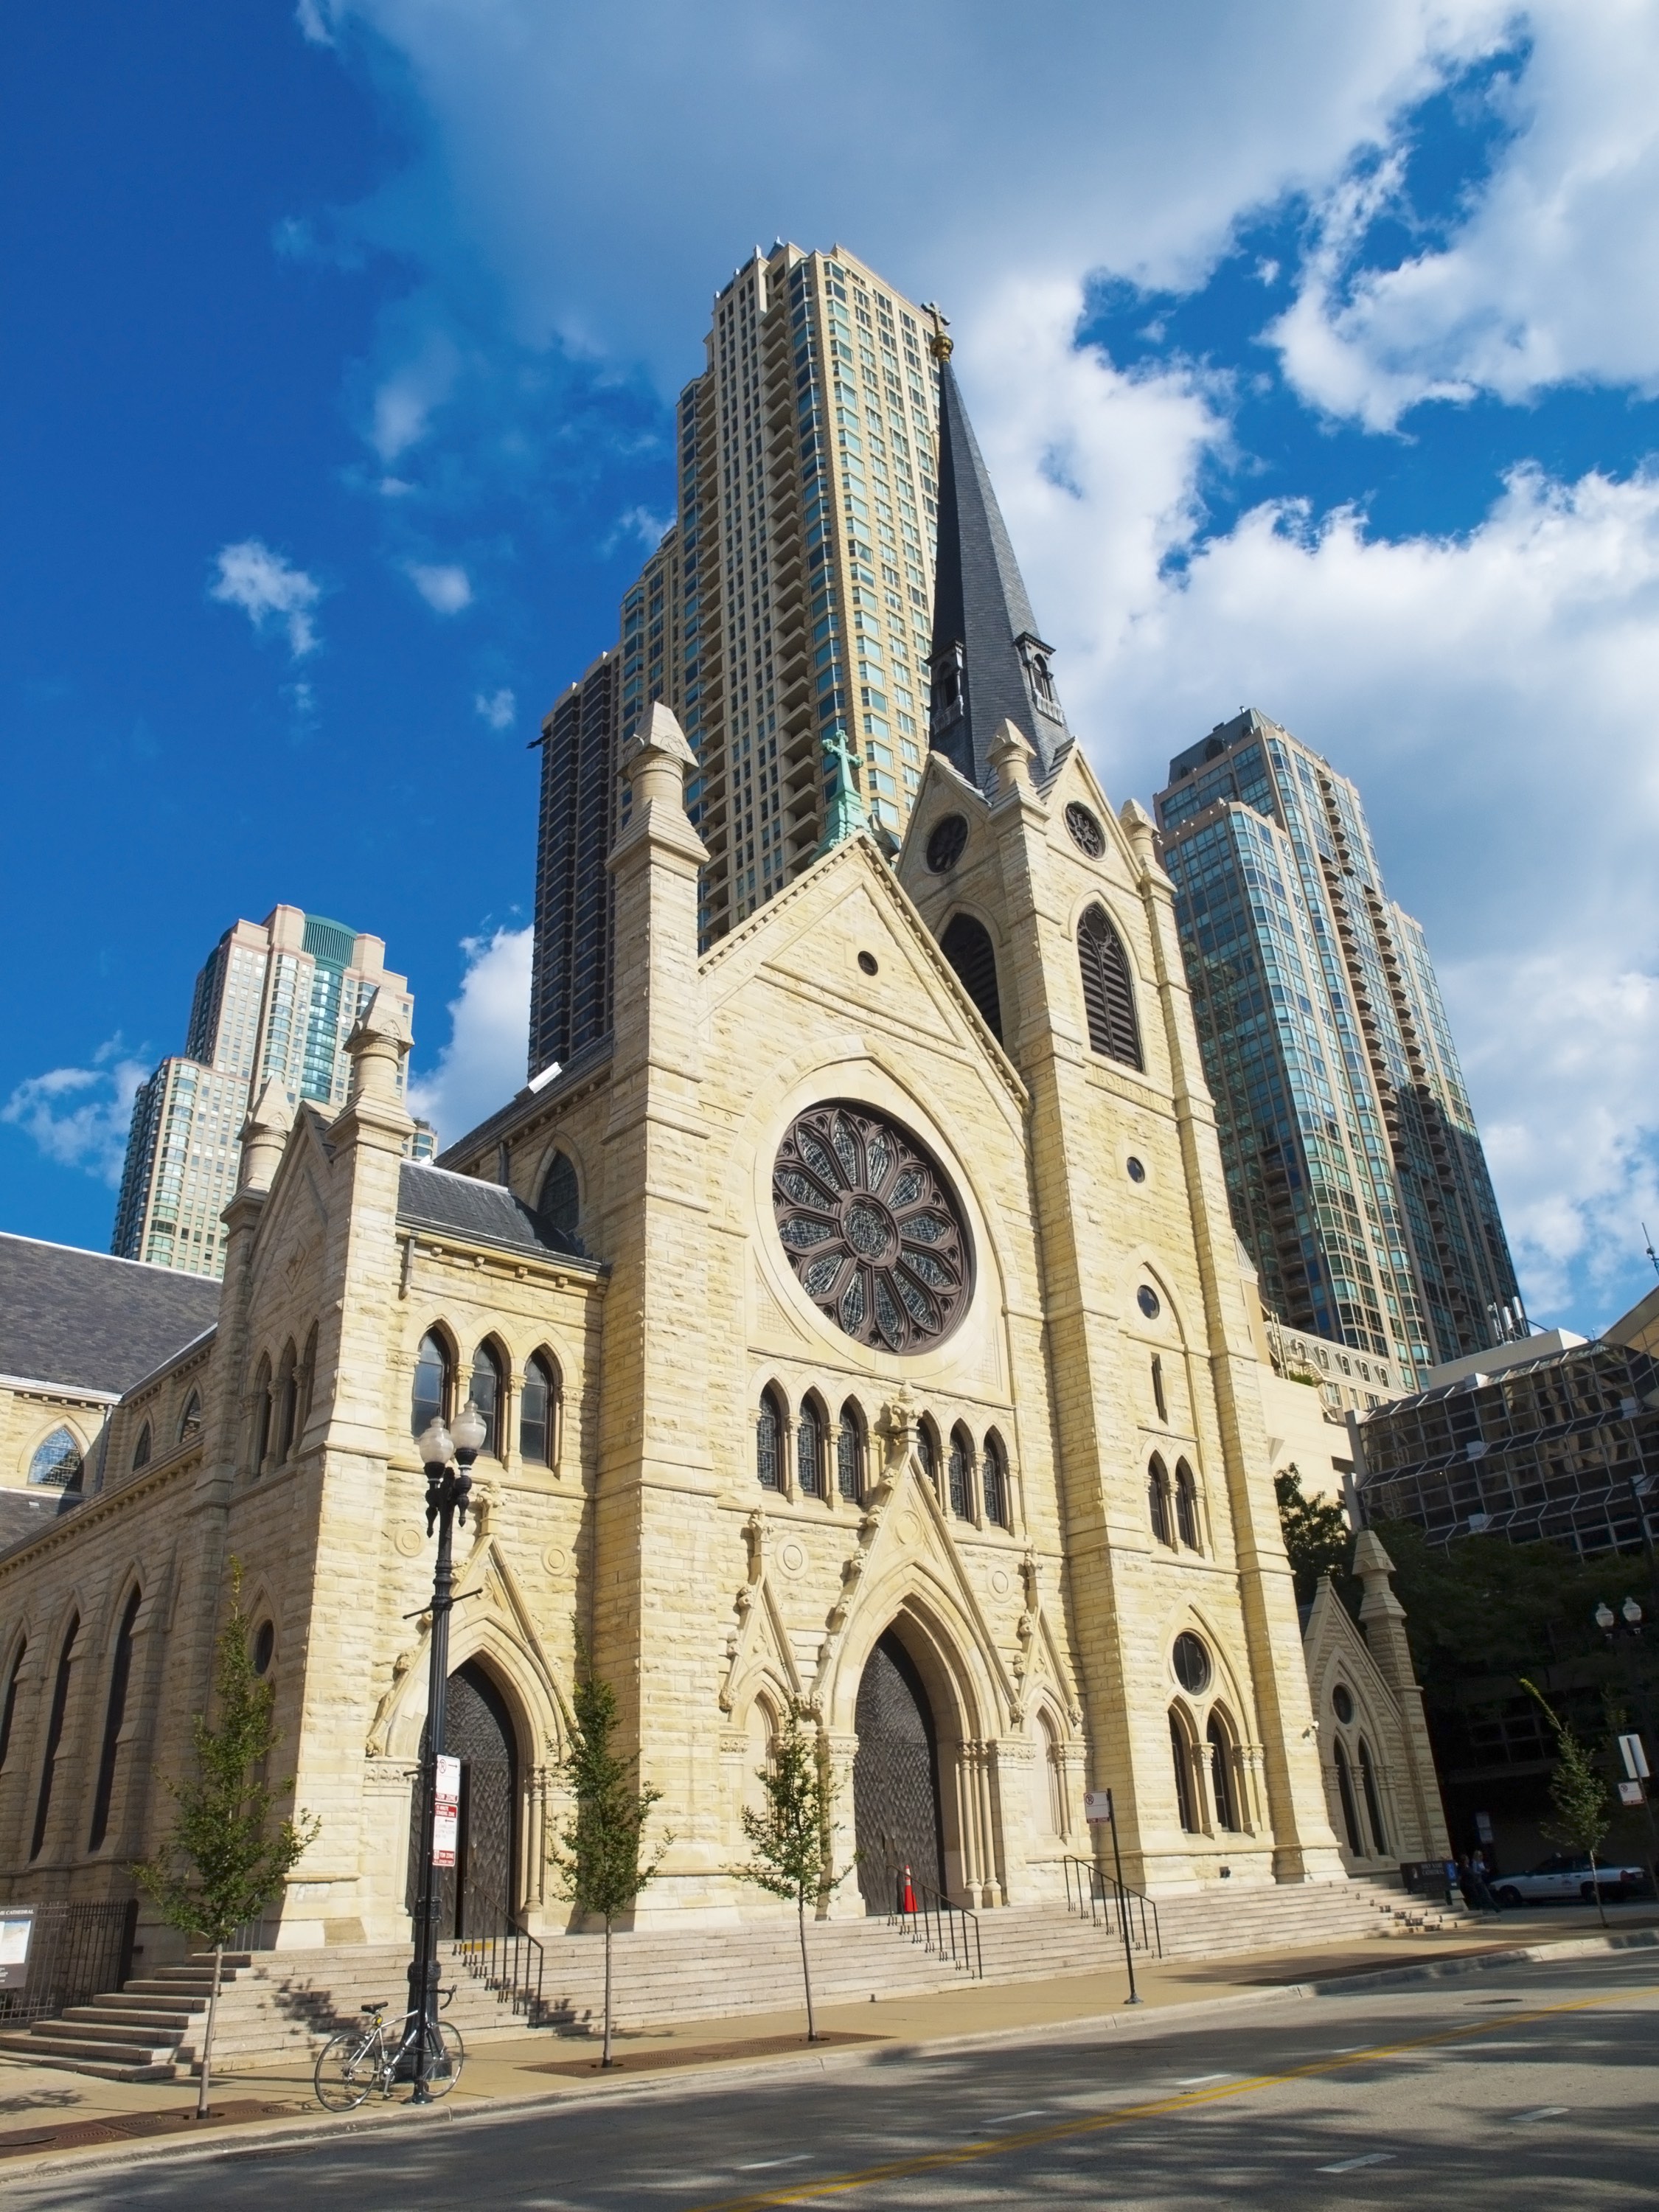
{"x":981,"y":604}
{"x":28,"y":1513}
{"x":91,"y":1322}
{"x":483,"y":1212}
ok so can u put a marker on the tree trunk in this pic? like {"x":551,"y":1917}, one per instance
{"x":605,"y":2061}
{"x":207,"y":2036}
{"x":1595,"y":1884}
{"x":805,"y":1966}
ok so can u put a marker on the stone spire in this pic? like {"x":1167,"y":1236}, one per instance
{"x":989,"y":665}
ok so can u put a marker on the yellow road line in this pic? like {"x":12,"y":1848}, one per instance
{"x":933,"y":2161}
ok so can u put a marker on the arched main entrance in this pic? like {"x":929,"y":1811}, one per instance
{"x":475,"y":1896}
{"x":896,"y":1804}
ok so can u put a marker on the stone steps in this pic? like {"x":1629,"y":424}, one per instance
{"x":278,"y":2007}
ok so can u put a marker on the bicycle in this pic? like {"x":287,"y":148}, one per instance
{"x":357,"y":2061}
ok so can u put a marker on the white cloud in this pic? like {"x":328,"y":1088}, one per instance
{"x":482,"y":1064}
{"x":265,"y":584}
{"x":313,"y":17}
{"x":404,"y":403}
{"x":79,"y":1116}
{"x":1139,"y":136}
{"x":1547,"y":277}
{"x":500,"y":708}
{"x":640,"y":523}
{"x":446,"y":589}
{"x":1491,"y":694}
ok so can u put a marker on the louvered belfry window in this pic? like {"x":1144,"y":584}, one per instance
{"x":1108,"y":995}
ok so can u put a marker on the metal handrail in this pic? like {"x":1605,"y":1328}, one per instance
{"x":950,"y":1931}
{"x":1090,"y":1890}
{"x":511,"y":1962}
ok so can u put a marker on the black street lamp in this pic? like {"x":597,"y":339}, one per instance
{"x":448,"y":1489}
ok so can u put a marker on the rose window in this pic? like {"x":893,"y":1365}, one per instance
{"x":873,"y":1229}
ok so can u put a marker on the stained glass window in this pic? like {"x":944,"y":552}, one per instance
{"x":873,"y":1229}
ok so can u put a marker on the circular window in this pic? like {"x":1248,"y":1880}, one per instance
{"x":945,"y":845}
{"x":1342,"y":1700}
{"x":873,"y":1228}
{"x":264,"y":1643}
{"x":1192,"y":1662}
{"x":1135,"y":1169}
{"x":1146,"y":1299}
{"x":1086,"y":833}
{"x":867,"y":962}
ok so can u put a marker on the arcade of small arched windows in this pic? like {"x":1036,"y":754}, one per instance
{"x":811,"y":1453}
{"x":522,"y":1403}
{"x":278,"y":1408}
{"x":1172,"y":1506}
{"x":150,"y":1430}
{"x":1354,"y":1778}
{"x":1211,"y":1797}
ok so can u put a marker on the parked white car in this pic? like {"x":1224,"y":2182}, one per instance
{"x":1566,"y":1878}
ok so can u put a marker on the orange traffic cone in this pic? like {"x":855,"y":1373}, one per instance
{"x":909,"y":1893}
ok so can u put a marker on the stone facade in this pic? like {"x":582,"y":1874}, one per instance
{"x":1109,"y":1336}
{"x":1381,"y":1789}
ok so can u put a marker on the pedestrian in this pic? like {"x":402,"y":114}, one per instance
{"x":1485,"y":1898}
{"x":1449,"y":1871}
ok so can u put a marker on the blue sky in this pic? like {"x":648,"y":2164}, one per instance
{"x":1316,"y":353}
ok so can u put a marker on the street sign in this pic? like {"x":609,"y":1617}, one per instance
{"x":17,"y":1932}
{"x":1096,"y":1806}
{"x":446,"y":1812}
{"x":1635,"y":1757}
{"x":1630,"y":1793}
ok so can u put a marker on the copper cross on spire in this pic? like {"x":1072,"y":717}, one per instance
{"x":939,"y":341}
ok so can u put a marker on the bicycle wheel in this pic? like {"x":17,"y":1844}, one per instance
{"x":348,"y":2068}
{"x":445,"y":2059}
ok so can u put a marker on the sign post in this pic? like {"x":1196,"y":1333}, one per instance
{"x":1633,"y":1752}
{"x":445,"y":1811}
{"x":16,"y":1934}
{"x":1097,"y":1810}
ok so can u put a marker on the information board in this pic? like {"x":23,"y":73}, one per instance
{"x":446,"y":1812}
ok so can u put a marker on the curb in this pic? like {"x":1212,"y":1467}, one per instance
{"x":256,"y":2137}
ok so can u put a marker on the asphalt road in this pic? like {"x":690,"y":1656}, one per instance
{"x":1531,"y":2087}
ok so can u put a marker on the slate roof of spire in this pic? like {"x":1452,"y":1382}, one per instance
{"x":982,"y":606}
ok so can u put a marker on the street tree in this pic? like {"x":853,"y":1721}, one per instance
{"x":225,"y":1862}
{"x":790,"y":1835}
{"x":1583,"y":1809}
{"x":600,"y":1868}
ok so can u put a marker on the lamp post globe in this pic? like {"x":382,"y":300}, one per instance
{"x":1604,"y":1618}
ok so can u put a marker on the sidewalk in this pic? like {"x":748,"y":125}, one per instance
{"x":46,"y":2115}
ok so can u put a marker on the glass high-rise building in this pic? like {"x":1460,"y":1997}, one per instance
{"x":276,"y":999}
{"x":786,"y":616}
{"x":1354,"y":1168}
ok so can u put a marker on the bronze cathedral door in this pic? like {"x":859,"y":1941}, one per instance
{"x":896,"y":1807}
{"x":475,"y":1896}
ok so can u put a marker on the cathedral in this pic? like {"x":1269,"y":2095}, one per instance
{"x":859,"y":1326}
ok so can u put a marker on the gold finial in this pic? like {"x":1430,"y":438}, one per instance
{"x":939,"y":342}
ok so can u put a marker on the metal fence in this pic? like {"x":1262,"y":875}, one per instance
{"x":76,"y":1951}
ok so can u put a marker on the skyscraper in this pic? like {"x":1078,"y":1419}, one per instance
{"x":570,"y":976}
{"x":1354,"y":1167}
{"x":276,"y":1000}
{"x":786,"y":616}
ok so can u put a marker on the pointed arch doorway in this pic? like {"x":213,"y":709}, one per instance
{"x":896,"y":1799}
{"x":476,"y":1895}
